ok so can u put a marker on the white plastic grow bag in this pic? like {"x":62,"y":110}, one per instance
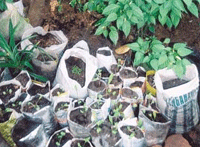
{"x":179,"y":103}
{"x":13,"y":14}
{"x":105,"y":60}
{"x":62,"y":77}
{"x":53,"y":49}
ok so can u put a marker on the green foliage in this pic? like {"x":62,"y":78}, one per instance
{"x":3,"y":6}
{"x":76,"y":70}
{"x":11,"y":57}
{"x":59,"y":5}
{"x":60,"y":135}
{"x":121,"y":15}
{"x":158,"y":55}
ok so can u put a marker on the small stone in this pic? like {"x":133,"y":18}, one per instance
{"x":176,"y":140}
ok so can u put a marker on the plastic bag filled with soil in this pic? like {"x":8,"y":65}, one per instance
{"x":156,"y":125}
{"x":24,"y":78}
{"x":13,"y":14}
{"x":75,"y":71}
{"x":85,"y":142}
{"x":61,"y":107}
{"x":131,"y":134}
{"x":29,"y":132}
{"x":45,"y":63}
{"x":39,"y":106}
{"x":105,"y":58}
{"x":58,"y":91}
{"x":5,"y":75}
{"x":52,"y":42}
{"x":177,"y":98}
{"x":80,"y":122}
{"x":61,"y":138}
{"x":9,"y":90}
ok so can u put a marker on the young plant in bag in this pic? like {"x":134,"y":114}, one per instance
{"x":15,"y":59}
{"x":156,"y":55}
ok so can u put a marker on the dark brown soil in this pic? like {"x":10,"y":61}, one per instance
{"x":97,"y":86}
{"x":104,"y":52}
{"x":17,"y":104}
{"x":35,"y":89}
{"x":129,"y":93}
{"x":4,"y":116}
{"x":44,"y":41}
{"x":150,"y":79}
{"x":7,"y":92}
{"x":116,"y":80}
{"x":72,"y":62}
{"x":173,"y":83}
{"x":159,"y":116}
{"x":141,"y":73}
{"x":97,"y":105}
{"x":57,"y":92}
{"x":111,"y":93}
{"x":136,"y":84}
{"x":77,"y":143}
{"x":115,"y":68}
{"x":23,"y":79}
{"x":132,"y":129}
{"x":23,"y":127}
{"x":44,"y":57}
{"x":79,"y":103}
{"x":37,"y":101}
{"x":81,"y":117}
{"x":62,"y":106}
{"x":62,"y":140}
{"x":104,"y":72}
{"x":126,"y":73}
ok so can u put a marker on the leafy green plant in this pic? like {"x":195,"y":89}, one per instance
{"x":158,"y":55}
{"x":63,"y":107}
{"x":121,"y":15}
{"x":76,"y":70}
{"x":3,"y":6}
{"x":59,"y":5}
{"x":16,"y":59}
{"x":35,"y":105}
{"x":78,"y":4}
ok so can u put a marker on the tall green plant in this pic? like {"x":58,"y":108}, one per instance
{"x":11,"y":57}
{"x":158,"y":55}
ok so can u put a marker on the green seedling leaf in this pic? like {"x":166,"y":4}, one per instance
{"x":110,"y":79}
{"x":111,"y":17}
{"x":183,"y":52}
{"x":188,"y":2}
{"x":110,"y":9}
{"x":166,"y":41}
{"x":113,"y":35}
{"x":193,"y":9}
{"x":126,"y":27}
{"x":154,"y":64}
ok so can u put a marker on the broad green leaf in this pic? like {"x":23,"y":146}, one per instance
{"x":177,"y":12}
{"x":188,"y":2}
{"x":162,"y":19}
{"x":105,"y":33}
{"x":179,"y":45}
{"x":110,"y":9}
{"x":158,"y":47}
{"x":175,"y":19}
{"x":139,"y":56}
{"x":178,"y":68}
{"x":152,"y":29}
{"x":137,"y":11}
{"x":183,"y":52}
{"x":152,"y":20}
{"x":38,"y":77}
{"x":111,"y":17}
{"x":113,"y":35}
{"x":146,"y":59}
{"x":129,"y":13}
{"x":134,"y":19}
{"x":162,"y":59}
{"x":163,"y":12}
{"x":120,"y":21}
{"x":171,"y":58}
{"x":126,"y":28}
{"x":154,"y":64}
{"x":169,"y":22}
{"x":166,"y":41}
{"x":186,"y":62}
{"x":99,"y":30}
{"x":159,"y":1}
{"x":134,"y":46}
{"x":27,"y":64}
{"x":179,"y":4}
{"x":193,"y":9}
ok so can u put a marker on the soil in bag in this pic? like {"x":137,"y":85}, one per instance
{"x":44,"y":57}
{"x":44,"y":41}
{"x":96,"y":86}
{"x":80,"y":143}
{"x":81,"y":116}
{"x":173,"y":83}
{"x":7,"y":92}
{"x":132,"y":131}
{"x":76,"y":69}
{"x":60,"y":139}
{"x":23,"y":79}
{"x":156,"y":117}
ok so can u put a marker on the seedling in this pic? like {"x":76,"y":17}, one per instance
{"x":36,"y":106}
{"x":17,"y":103}
{"x":76,"y":70}
{"x":84,"y":110}
{"x":98,"y":126}
{"x":7,"y":91}
{"x":63,"y":107}
{"x":60,"y":136}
